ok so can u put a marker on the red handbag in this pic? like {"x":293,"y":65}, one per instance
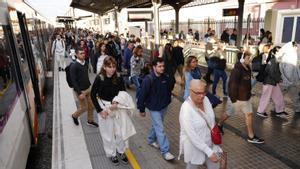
{"x":216,"y":136}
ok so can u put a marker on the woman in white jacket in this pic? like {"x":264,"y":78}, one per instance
{"x":195,"y":136}
{"x":290,"y":71}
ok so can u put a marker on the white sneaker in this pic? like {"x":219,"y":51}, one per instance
{"x":168,"y":156}
{"x":155,"y":145}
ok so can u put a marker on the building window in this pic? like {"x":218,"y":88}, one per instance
{"x":107,"y":21}
{"x":287,"y":31}
{"x":297,"y":37}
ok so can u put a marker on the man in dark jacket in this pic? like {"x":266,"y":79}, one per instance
{"x":155,"y":94}
{"x":81,"y":85}
{"x":239,"y":88}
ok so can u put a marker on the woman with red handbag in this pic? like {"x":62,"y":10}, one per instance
{"x":199,"y":136}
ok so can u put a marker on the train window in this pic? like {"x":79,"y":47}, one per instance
{"x":38,"y":53}
{"x":8,"y":88}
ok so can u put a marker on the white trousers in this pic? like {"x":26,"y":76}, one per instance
{"x":208,"y":162}
{"x":110,"y":131}
{"x":60,"y":58}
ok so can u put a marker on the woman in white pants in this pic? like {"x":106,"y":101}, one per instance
{"x":106,"y":86}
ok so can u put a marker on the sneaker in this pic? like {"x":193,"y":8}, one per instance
{"x":221,"y":129}
{"x":75,"y":120}
{"x":255,"y":140}
{"x":282,"y":114}
{"x":155,"y":145}
{"x":115,"y":160}
{"x":168,"y":156}
{"x":264,"y":114}
{"x":123,"y":158}
{"x":92,"y":124}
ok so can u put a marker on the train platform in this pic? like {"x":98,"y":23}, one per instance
{"x":80,"y":147}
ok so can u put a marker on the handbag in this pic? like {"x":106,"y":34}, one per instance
{"x":215,"y":133}
{"x":223,"y":160}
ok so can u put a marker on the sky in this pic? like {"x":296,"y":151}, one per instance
{"x":50,"y":8}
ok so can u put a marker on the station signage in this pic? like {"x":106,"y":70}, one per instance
{"x":230,"y":12}
{"x":140,"y":16}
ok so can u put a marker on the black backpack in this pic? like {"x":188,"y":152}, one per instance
{"x":68,"y":74}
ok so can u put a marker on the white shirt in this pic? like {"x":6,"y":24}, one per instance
{"x":58,"y":46}
{"x":81,"y":62}
{"x":100,"y":62}
{"x":195,"y":137}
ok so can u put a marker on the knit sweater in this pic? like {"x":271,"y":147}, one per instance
{"x":80,"y":76}
{"x":104,"y":89}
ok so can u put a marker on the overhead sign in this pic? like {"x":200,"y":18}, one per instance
{"x":230,"y":12}
{"x":140,"y":16}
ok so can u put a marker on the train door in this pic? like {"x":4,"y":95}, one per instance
{"x":28,"y":71}
{"x":11,"y":85}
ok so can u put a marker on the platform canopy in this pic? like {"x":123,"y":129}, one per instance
{"x":102,"y":6}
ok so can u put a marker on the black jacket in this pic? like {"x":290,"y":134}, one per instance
{"x":155,"y":93}
{"x":106,"y":89}
{"x":239,"y":86}
{"x":272,"y":73}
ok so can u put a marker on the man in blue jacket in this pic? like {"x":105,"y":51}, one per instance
{"x":155,"y":95}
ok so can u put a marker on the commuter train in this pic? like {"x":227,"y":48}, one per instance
{"x":24,"y":36}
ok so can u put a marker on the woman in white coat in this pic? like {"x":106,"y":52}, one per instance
{"x":195,"y":136}
{"x":290,"y":72}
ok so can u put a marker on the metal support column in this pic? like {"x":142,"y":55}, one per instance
{"x":177,"y":19}
{"x":100,"y":22}
{"x":240,"y":22}
{"x":73,"y":17}
{"x":156,"y":5}
{"x":116,"y":19}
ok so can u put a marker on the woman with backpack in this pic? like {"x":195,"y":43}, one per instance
{"x":192,"y":71}
{"x":271,"y":88}
{"x":107,"y":86}
{"x":137,"y":63}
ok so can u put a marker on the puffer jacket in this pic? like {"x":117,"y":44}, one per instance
{"x":272,"y":73}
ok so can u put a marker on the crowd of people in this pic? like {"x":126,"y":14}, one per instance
{"x":118,"y":62}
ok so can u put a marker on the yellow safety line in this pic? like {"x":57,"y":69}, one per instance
{"x":6,"y":88}
{"x":132,"y":160}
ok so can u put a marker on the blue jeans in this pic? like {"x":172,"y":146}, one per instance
{"x":217,"y":75}
{"x":157,"y":132}
{"x":253,"y":82}
{"x":136,"y":81}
